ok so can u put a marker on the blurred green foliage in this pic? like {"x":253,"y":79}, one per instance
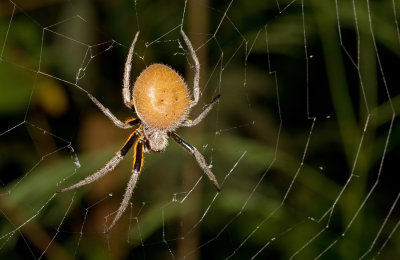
{"x":281,"y":171}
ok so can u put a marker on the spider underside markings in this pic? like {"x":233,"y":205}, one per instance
{"x":152,"y":135}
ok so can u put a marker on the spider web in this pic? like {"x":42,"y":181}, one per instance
{"x":303,"y":140}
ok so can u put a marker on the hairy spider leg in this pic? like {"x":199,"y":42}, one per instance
{"x":126,"y":92}
{"x":132,"y":121}
{"x":189,"y":123}
{"x":196,"y":80}
{"x":137,"y":166}
{"x":108,"y":113}
{"x":109,"y":166}
{"x":199,"y":157}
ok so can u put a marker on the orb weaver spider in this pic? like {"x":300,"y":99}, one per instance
{"x":161,"y":101}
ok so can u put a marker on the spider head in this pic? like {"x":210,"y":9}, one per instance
{"x":156,"y":138}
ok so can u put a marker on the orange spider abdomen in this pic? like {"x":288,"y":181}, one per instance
{"x":160,"y":97}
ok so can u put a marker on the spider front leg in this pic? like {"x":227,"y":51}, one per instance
{"x":199,"y":157}
{"x":137,"y":166}
{"x":109,"y":166}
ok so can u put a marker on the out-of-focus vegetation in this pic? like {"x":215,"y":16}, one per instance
{"x":279,"y":175}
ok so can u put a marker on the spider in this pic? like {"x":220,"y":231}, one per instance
{"x":161,"y":101}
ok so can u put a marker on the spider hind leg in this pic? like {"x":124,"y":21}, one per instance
{"x":202,"y":115}
{"x":126,"y":92}
{"x":196,"y":80}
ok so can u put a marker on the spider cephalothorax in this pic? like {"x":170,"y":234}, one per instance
{"x":161,"y":101}
{"x":156,"y":140}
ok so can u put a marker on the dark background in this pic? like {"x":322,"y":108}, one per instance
{"x":304,"y":138}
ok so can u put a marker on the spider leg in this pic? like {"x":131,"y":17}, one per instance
{"x":203,"y":114}
{"x":108,"y":113}
{"x":126,"y":92}
{"x":137,"y":165}
{"x":196,"y":90}
{"x":132,"y":121}
{"x":108,"y":167}
{"x":199,"y":157}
